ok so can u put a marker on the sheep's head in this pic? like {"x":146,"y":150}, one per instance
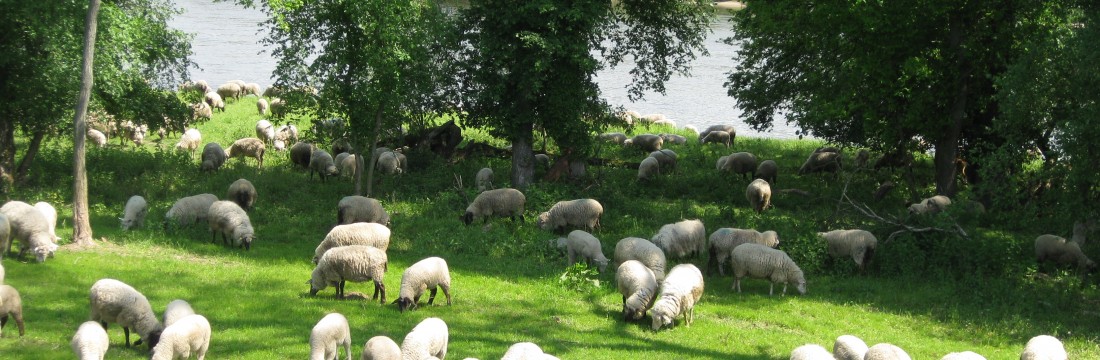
{"x":543,"y":221}
{"x":660,"y":319}
{"x":601,"y":264}
{"x":800,"y":282}
{"x":404,"y":303}
{"x":467,"y":218}
{"x":42,"y":252}
{"x":154,"y":338}
{"x":630,"y":314}
{"x":316,"y":282}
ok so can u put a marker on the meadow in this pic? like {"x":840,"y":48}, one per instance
{"x":929,"y":293}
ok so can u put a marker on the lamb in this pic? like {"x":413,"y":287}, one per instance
{"x":190,"y":210}
{"x":113,"y":301}
{"x":858,"y":244}
{"x":229,"y":90}
{"x":90,"y":341}
{"x":50,"y":213}
{"x":133,"y":216}
{"x":645,"y":142}
{"x":965,"y":355}
{"x":821,"y":161}
{"x":526,"y":351}
{"x":265,"y":131}
{"x":176,"y":310}
{"x":718,"y":137}
{"x":727,"y":128}
{"x":647,"y":253}
{"x":381,"y":348}
{"x":724,"y":240}
{"x":614,"y":138}
{"x":356,"y":263}
{"x":428,"y":339}
{"x":848,"y":347}
{"x":496,"y":203}
{"x":261,"y":106}
{"x":811,"y":352}
{"x":229,"y":219}
{"x":250,"y":147}
{"x":682,"y":239}
{"x":583,"y":213}
{"x":215,"y":101}
{"x":97,"y":138}
{"x":243,"y":193}
{"x":767,"y":170}
{"x":648,"y":168}
{"x":760,"y":261}
{"x":673,"y":139}
{"x":884,"y":351}
{"x":426,"y":274}
{"x":321,"y":162}
{"x":369,"y":234}
{"x":1044,"y":347}
{"x":930,"y":205}
{"x":212,"y":157}
{"x":665,"y":158}
{"x":742,"y":163}
{"x":30,"y":226}
{"x":300,"y":154}
{"x":190,"y":335}
{"x":679,"y":292}
{"x":484,"y":179}
{"x":638,"y":286}
{"x":331,"y":332}
{"x":353,"y":209}
{"x":11,"y":305}
{"x":1057,"y":249}
{"x":759,"y":195}
{"x":582,"y":244}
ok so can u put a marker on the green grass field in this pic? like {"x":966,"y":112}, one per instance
{"x":930,"y":294}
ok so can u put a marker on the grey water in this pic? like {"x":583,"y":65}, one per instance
{"x":227,"y":46}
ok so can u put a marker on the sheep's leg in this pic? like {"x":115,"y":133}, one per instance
{"x":447,"y":293}
{"x":340,"y":289}
{"x":771,"y":289}
{"x":19,"y":322}
{"x":431,"y":296}
{"x":382,"y":289}
{"x":126,"y":330}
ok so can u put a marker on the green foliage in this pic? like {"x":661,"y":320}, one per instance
{"x":580,"y":278}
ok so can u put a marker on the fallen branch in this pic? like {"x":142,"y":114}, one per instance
{"x":891,"y":220}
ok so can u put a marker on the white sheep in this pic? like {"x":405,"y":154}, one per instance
{"x":50,"y":213}
{"x":189,"y":335}
{"x":717,"y":137}
{"x":763,"y":262}
{"x":381,"y":348}
{"x":691,"y":128}
{"x":582,"y":213}
{"x":355,"y":263}
{"x":673,"y":139}
{"x":484,"y":179}
{"x":742,"y":163}
{"x":857,"y":244}
{"x":201,"y":111}
{"x":682,"y":239}
{"x":349,"y":163}
{"x":355,"y":208}
{"x":389,"y":163}
{"x":229,"y":219}
{"x":884,"y":351}
{"x":229,"y":90}
{"x":638,"y":286}
{"x":190,"y":141}
{"x":133,"y":215}
{"x":213,"y":156}
{"x":724,"y":240}
{"x":581,"y":244}
{"x":215,"y":101}
{"x":821,"y":161}
{"x":930,"y":205}
{"x":31,"y":227}
{"x":278,"y":107}
{"x":176,"y":310}
{"x":665,"y":158}
{"x":90,"y":341}
{"x":646,"y":252}
{"x":369,"y":234}
{"x":251,"y":89}
{"x":526,"y":351}
{"x":849,"y":347}
{"x":679,"y":292}
{"x":1,"y":273}
{"x":724,"y":128}
{"x":261,"y":106}
{"x":284,"y":135}
{"x":811,"y":352}
{"x":965,"y":355}
{"x":112,"y":301}
{"x":645,"y":142}
{"x":426,"y":274}
{"x":243,"y":193}
{"x":614,"y":138}
{"x":648,"y":168}
{"x":265,"y":131}
{"x":11,"y":305}
{"x":189,"y":210}
{"x":247,"y":147}
{"x":505,"y":202}
{"x":767,"y":170}
{"x":321,"y":162}
{"x":427,"y":339}
{"x":300,"y":154}
{"x":330,"y":333}
{"x":1058,"y":250}
{"x":1044,"y":347}
{"x":97,"y":138}
{"x":759,"y":195}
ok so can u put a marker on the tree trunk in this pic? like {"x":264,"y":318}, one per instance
{"x":82,"y":228}
{"x":28,"y":157}
{"x":947,"y":144}
{"x":523,"y":158}
{"x":371,"y":160}
{"x":7,"y":145}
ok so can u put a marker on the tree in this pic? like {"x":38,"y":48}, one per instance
{"x":82,"y":228}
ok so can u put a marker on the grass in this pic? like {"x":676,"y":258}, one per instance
{"x":929,"y":294}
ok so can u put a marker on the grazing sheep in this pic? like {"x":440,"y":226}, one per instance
{"x":724,"y":240}
{"x":243,"y":193}
{"x":330,"y":333}
{"x":721,"y":162}
{"x":581,"y":244}
{"x":11,"y":305}
{"x":189,"y":335}
{"x":349,"y":163}
{"x":726,"y":128}
{"x":96,"y":137}
{"x":278,"y":107}
{"x":190,"y":210}
{"x":811,"y":352}
{"x":229,"y":90}
{"x":265,"y":131}
{"x":285,"y":134}
{"x":50,"y":213}
{"x":426,"y":340}
{"x":638,"y":286}
{"x":718,"y":137}
{"x":484,"y":179}
{"x":673,"y":139}
{"x":930,"y":205}
{"x":542,"y":160}
{"x":133,"y":216}
{"x":426,"y":274}
{"x":369,"y":234}
{"x":763,"y":262}
{"x":884,"y":351}
{"x":212,"y":157}
{"x":614,"y":138}
{"x":389,"y":163}
{"x":190,"y":141}
{"x":90,"y":341}
{"x":198,"y":86}
{"x":679,"y":292}
{"x":215,"y":101}
{"x":251,"y":89}
{"x":646,"y":252}
{"x":648,"y":168}
{"x":201,"y":111}
{"x":759,"y":195}
{"x":682,"y":239}
{"x":229,"y":219}
{"x":321,"y":162}
{"x":300,"y":154}
{"x":848,"y":347}
{"x":965,"y":355}
{"x":1057,"y":249}
{"x":767,"y":170}
{"x":505,"y":202}
{"x":526,"y":351}
{"x":858,"y":244}
{"x":741,"y":163}
{"x":355,"y":263}
{"x":645,"y":142}
{"x":1044,"y":347}
{"x":353,"y":209}
{"x":261,"y":106}
{"x":582,"y":213}
{"x":821,"y":161}
{"x":666,"y":158}
{"x":176,"y":310}
{"x":30,"y":226}
{"x":381,"y":348}
{"x":250,"y":147}
{"x":113,"y":301}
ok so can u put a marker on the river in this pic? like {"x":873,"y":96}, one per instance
{"x":226,"y":46}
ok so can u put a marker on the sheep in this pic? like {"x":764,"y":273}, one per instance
{"x":97,"y":138}
{"x":726,"y":128}
{"x":112,"y":301}
{"x":229,"y":219}
{"x":682,"y":239}
{"x":505,"y":202}
{"x":262,"y":106}
{"x":426,"y":274}
{"x":665,"y":158}
{"x":718,"y":137}
{"x":50,"y":213}
{"x":526,"y":351}
{"x":198,"y":86}
{"x":614,"y":138}
{"x":215,"y":101}
{"x":265,"y":131}
{"x":1,"y":274}
{"x":427,"y":339}
{"x":484,"y":179}
{"x":679,"y":292}
{"x":133,"y":215}
{"x":30,"y":226}
{"x":848,"y":347}
{"x":811,"y":352}
{"x":651,"y":118}
{"x":356,"y":263}
{"x":742,"y":163}
{"x":542,"y":160}
{"x":884,"y":351}
{"x":176,"y":310}
{"x":580,"y":243}
{"x":284,"y":135}
{"x":133,"y":132}
{"x":381,"y":348}
{"x":389,"y":163}
{"x":190,"y":141}
{"x":300,"y":154}
{"x":721,"y":162}
{"x":647,"y":253}
{"x":1044,"y":347}
{"x":250,"y":147}
{"x":645,"y":142}
{"x":330,"y":333}
{"x":965,"y":355}
{"x":858,"y":244}
{"x":583,"y":213}
{"x":190,"y":335}
{"x":321,"y":162}
{"x":663,"y":122}
{"x":673,"y":139}
{"x":243,"y":193}
{"x":349,"y":163}
{"x":90,"y":341}
{"x":251,"y":89}
{"x":821,"y":161}
{"x":930,"y":205}
{"x":723,"y":241}
{"x":11,"y":305}
{"x":760,"y":261}
{"x":648,"y":168}
{"x":638,"y":286}
{"x":229,"y":90}
{"x":369,"y":234}
{"x":212,"y":157}
{"x":767,"y":170}
{"x":353,"y":209}
{"x":201,"y":111}
{"x":278,"y":107}
{"x":189,"y":210}
{"x":1057,"y":249}
{"x":759,"y":195}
